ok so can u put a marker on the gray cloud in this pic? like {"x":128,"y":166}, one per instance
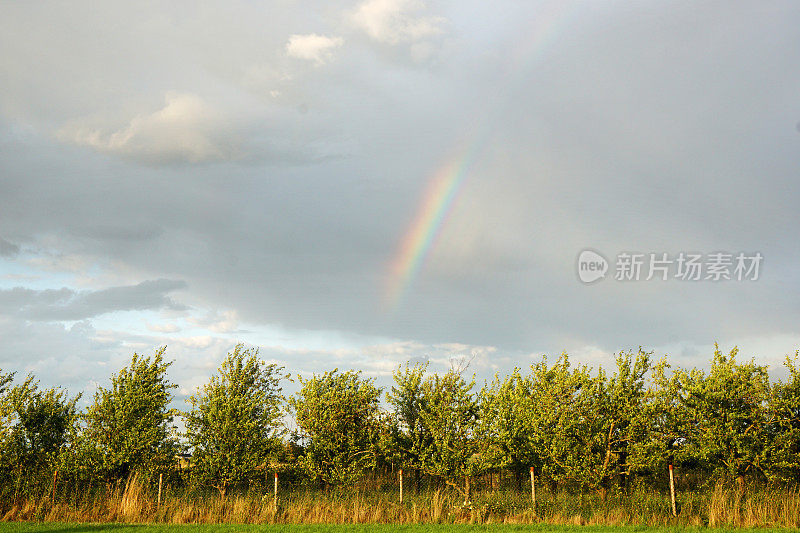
{"x":67,"y":304}
{"x":55,"y":354}
{"x":8,"y":249}
{"x":652,"y":128}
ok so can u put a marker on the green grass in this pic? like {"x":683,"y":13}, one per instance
{"x":59,"y":527}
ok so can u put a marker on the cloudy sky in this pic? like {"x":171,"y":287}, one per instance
{"x":361,"y":183}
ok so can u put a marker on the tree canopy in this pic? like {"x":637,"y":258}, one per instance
{"x":234,"y":424}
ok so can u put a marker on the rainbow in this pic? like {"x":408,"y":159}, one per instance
{"x":442,"y":191}
{"x":447,"y":180}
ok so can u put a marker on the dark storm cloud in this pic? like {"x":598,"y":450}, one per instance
{"x":67,"y":304}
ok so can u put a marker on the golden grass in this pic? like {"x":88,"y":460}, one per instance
{"x":743,"y":509}
{"x":134,"y":502}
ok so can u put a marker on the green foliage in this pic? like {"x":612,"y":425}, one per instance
{"x":563,"y":425}
{"x":665,"y":412}
{"x":570,"y":426}
{"x":234,"y":424}
{"x":512,"y":422}
{"x":128,"y":427}
{"x":338,"y":419}
{"x":6,"y":411}
{"x":38,"y":426}
{"x":410,"y":437}
{"x":580,"y":429}
{"x":626,"y":424}
{"x":449,"y":413}
{"x":785,"y":461}
{"x":725,"y":419}
{"x":5,"y":381}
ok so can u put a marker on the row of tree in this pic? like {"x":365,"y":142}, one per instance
{"x":578,"y":428}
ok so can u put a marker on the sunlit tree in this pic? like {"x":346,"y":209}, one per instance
{"x":410,"y":437}
{"x":338,"y":419}
{"x":450,"y":414}
{"x":785,"y":460}
{"x":234,"y":424}
{"x":727,"y":423}
{"x":129,"y":425}
{"x":39,"y":426}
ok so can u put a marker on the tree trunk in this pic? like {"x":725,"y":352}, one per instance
{"x":623,"y":474}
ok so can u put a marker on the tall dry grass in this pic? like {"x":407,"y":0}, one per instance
{"x":135,"y":502}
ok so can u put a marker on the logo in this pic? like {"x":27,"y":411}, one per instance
{"x":591,"y":266}
{"x":683,"y":266}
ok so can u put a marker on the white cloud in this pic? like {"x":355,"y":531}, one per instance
{"x":380,"y":360}
{"x":313,"y":47}
{"x":186,"y":129}
{"x":59,"y":262}
{"x":395,"y":21}
{"x":224,"y":322}
{"x":163,"y":328}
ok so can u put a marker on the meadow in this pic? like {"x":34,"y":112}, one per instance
{"x":136,"y":503}
{"x":53,"y":527}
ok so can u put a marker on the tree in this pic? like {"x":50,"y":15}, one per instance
{"x":562,"y":422}
{"x":5,"y":381}
{"x":509,"y":423}
{"x":234,"y":423}
{"x":669,"y":427}
{"x":626,"y":426}
{"x":39,"y":426}
{"x":450,"y":415}
{"x":727,"y":422}
{"x":128,"y":427}
{"x":570,"y":426}
{"x":411,"y":437}
{"x":5,"y":404}
{"x":338,"y":419}
{"x":785,"y":406}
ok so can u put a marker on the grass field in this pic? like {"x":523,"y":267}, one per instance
{"x":318,"y":511}
{"x":379,"y":510}
{"x":58,"y":527}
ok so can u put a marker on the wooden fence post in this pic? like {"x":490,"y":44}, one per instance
{"x":275,"y":490}
{"x":53,"y":495}
{"x":533,"y":488}
{"x":160,"y":481}
{"x":672,"y":490}
{"x":401,"y":486}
